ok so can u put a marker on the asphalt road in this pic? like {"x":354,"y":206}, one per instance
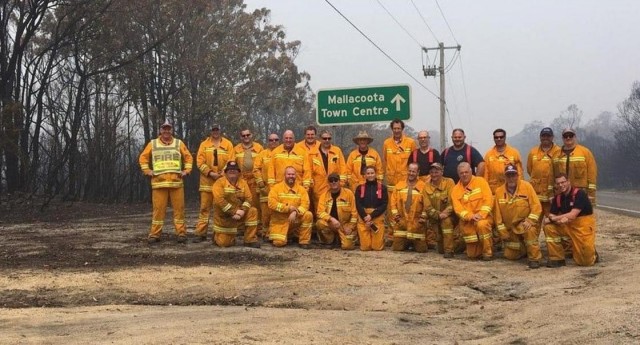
{"x":627,"y":203}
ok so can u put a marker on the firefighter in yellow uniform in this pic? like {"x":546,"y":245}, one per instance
{"x":289,"y":204}
{"x":289,"y":155}
{"x":246,"y":153}
{"x":439,"y":211}
{"x":360,"y":158}
{"x":517,"y":213}
{"x":540,"y":168}
{"x":232,"y":208}
{"x":498,"y":157}
{"x":166,"y":160}
{"x":372,"y":199}
{"x":407,"y":209}
{"x":326,"y":160}
{"x":472,"y":202}
{"x":337,"y":214}
{"x":571,"y":215}
{"x":578,"y":163}
{"x":395,"y":153}
{"x":213,"y":154}
{"x":261,"y":175}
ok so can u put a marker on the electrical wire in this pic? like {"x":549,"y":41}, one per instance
{"x":425,"y":21}
{"x":447,"y":22}
{"x":399,"y":24}
{"x":382,"y":51}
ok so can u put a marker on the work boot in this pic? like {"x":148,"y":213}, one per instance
{"x":153,"y":240}
{"x":199,"y":239}
{"x":556,"y":263}
{"x":252,"y":245}
{"x":448,"y":255}
{"x":182,"y":239}
{"x":487,"y":258}
{"x":597,"y":258}
{"x":304,"y":246}
{"x":534,"y":264}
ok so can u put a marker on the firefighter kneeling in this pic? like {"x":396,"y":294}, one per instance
{"x":571,"y":215}
{"x":516,"y":212}
{"x":337,"y":214}
{"x":289,"y":204}
{"x":232,"y":207}
{"x":407,"y":207}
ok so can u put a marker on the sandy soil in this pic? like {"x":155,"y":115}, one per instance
{"x":72,"y":276}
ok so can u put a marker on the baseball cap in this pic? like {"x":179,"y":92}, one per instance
{"x":215,"y":126}
{"x":546,"y":130}
{"x":231,"y":165}
{"x":436,"y":165}
{"x":510,"y":169}
{"x":166,"y":124}
{"x":568,"y":130}
{"x":333,"y":176}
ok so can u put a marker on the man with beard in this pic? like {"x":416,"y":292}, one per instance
{"x":407,"y":208}
{"x":439,"y":211}
{"x":290,"y":216}
{"x":461,"y":152}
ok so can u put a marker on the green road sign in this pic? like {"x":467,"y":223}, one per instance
{"x":363,"y":105}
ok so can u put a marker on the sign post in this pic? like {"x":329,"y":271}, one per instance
{"x":363,"y":105}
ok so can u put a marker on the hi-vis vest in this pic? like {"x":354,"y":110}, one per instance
{"x":166,"y":158}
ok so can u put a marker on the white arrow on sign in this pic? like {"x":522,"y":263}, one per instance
{"x":398,"y":100}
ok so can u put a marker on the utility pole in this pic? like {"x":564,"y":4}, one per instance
{"x":430,"y":71}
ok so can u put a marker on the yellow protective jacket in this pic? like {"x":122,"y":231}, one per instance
{"x":583,"y":171}
{"x":541,"y":171}
{"x":228,"y":198}
{"x":474,"y":198}
{"x":303,"y":145}
{"x":256,"y":148}
{"x":182,"y":157}
{"x":261,"y":171}
{"x":346,"y":204}
{"x":399,"y":198}
{"x":319,"y":174}
{"x":281,"y":159}
{"x":438,"y":198}
{"x":495,"y":164}
{"x":511,"y":209}
{"x":396,"y":156}
{"x":354,"y":163}
{"x":206,"y":157}
{"x":281,"y":196}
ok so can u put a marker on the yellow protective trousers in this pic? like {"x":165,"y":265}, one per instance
{"x":407,"y":232}
{"x":517,"y":246}
{"x":371,"y":240}
{"x":225,"y":228}
{"x":265,"y":218}
{"x":582,"y":232}
{"x":281,"y":228}
{"x":160,"y":198}
{"x":327,"y":234}
{"x":444,"y":230}
{"x":206,"y":206}
{"x":477,"y":236}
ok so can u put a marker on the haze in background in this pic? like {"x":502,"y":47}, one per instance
{"x":521,"y":60}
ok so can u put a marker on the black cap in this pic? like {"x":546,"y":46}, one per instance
{"x":231,"y":165}
{"x":546,"y":130}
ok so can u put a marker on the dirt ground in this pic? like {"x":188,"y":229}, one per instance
{"x":79,"y":274}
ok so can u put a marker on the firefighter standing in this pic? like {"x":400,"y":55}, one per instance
{"x":166,"y":160}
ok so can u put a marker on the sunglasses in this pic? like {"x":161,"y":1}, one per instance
{"x":498,"y":137}
{"x":423,"y":138}
{"x":245,"y":135}
{"x":334,"y":180}
{"x":326,"y":138}
{"x":272,"y":140}
{"x":568,"y":135}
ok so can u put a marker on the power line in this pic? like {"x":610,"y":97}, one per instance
{"x":397,"y":22}
{"x":382,"y":51}
{"x":445,"y":20}
{"x":425,"y":21}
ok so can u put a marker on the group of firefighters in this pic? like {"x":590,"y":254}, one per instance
{"x":455,"y":201}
